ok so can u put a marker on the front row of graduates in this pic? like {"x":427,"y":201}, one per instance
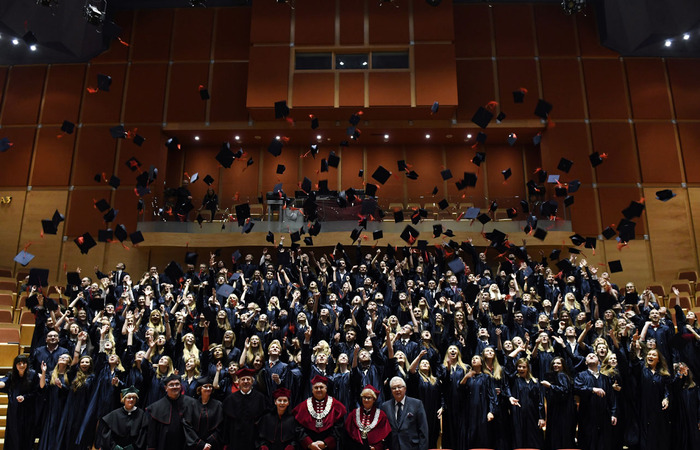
{"x":180,"y":422}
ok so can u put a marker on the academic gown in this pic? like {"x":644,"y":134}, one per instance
{"x":454,"y":415}
{"x":122,"y":428}
{"x":55,"y":401}
{"x":105,"y":396}
{"x":594,"y":413}
{"x":526,"y":433}
{"x":170,"y":423}
{"x":342,"y":388}
{"x":480,"y":401}
{"x":241,"y":412}
{"x":69,"y":430}
{"x":278,"y":433}
{"x":376,"y":437}
{"x":685,"y":405}
{"x":208,"y":424}
{"x":561,"y":411}
{"x":431,"y":396}
{"x":331,"y":428}
{"x":19,"y":425}
{"x":654,"y":427}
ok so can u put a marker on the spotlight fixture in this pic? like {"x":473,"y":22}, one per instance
{"x":469,"y":136}
{"x":433,"y":2}
{"x":668,"y":43}
{"x":572,"y":6}
{"x":32,"y":47}
{"x":196,"y":138}
{"x":15,"y":41}
{"x":686,"y":36}
{"x":238,"y":138}
{"x":427,"y":136}
{"x":95,"y":11}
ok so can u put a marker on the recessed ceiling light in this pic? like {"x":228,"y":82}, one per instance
{"x":318,"y":137}
{"x":686,"y":36}
{"x":15,"y":41}
{"x":238,"y":138}
{"x":196,"y":138}
{"x":32,"y":47}
{"x":469,"y":136}
{"x":668,"y":42}
{"x":427,"y":136}
{"x":386,"y":136}
{"x":277,"y":137}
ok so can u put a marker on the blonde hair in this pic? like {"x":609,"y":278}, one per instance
{"x":191,"y":352}
{"x":570,"y":302}
{"x":160,"y":328}
{"x":80,"y":376}
{"x":497,"y":372}
{"x":55,"y":373}
{"x":529,"y":369}
{"x":459,"y":362}
{"x":169,"y":371}
{"x":429,"y":378}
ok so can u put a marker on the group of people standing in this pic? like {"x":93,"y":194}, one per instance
{"x":368,"y":352}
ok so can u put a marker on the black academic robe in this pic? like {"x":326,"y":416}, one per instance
{"x":241,"y":412}
{"x":685,"y":406}
{"x":431,"y":396}
{"x":208,"y":424}
{"x":19,"y":425}
{"x":454,"y":416}
{"x":170,"y":423}
{"x":55,"y":401}
{"x":277,"y":433}
{"x":70,"y":431}
{"x":654,"y":426}
{"x":594,"y":413}
{"x":480,"y":401}
{"x":526,"y":433}
{"x":561,"y":411}
{"x":122,"y":428}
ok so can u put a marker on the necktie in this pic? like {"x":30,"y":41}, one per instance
{"x":399,"y":407}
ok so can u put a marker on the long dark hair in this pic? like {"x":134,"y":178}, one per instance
{"x":16,"y":379}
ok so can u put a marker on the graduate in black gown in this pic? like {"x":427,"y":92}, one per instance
{"x":597,"y":407}
{"x":277,"y":430}
{"x":685,"y":406}
{"x":211,"y":415}
{"x":654,"y":382}
{"x":81,"y":385}
{"x":527,"y":410}
{"x":561,"y":407}
{"x":481,"y":403}
{"x":125,"y":427}
{"x":242,"y":410}
{"x":21,"y":386}
{"x":424,"y":386}
{"x":54,"y":391}
{"x":171,"y":418}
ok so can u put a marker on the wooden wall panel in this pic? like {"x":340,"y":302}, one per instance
{"x":435,"y":73}
{"x":53,"y":160}
{"x":153,"y":152}
{"x":201,"y":160}
{"x":555,"y":31}
{"x":241,"y":182}
{"x":670,"y":239}
{"x":3,"y":78}
{"x":184,"y":102}
{"x":313,"y":89}
{"x":95,"y":154}
{"x":605,"y":89}
{"x":533,"y":160}
{"x":41,"y":205}
{"x":392,"y":190}
{"x":389,"y":89}
{"x":514,"y":74}
{"x":11,"y":219}
{"x":63,"y":93}
{"x":613,"y":200}
{"x":23,"y":95}
{"x":311,"y":167}
{"x":14,"y":163}
{"x":501,"y":157}
{"x":583,"y":213}
{"x":570,"y":141}
{"x":268,"y":76}
{"x":126,"y":202}
{"x":291,"y":178}
{"x":562,"y":87}
{"x":103,"y":107}
{"x":648,"y":88}
{"x":636,"y":263}
{"x":427,"y":162}
{"x":475,"y":86}
{"x":588,"y":37}
{"x":658,"y":152}
{"x":72,"y":258}
{"x":683,"y":75}
{"x":270,"y":22}
{"x":459,"y":161}
{"x":694,"y":203}
{"x":388,"y":25}
{"x":352,"y":23}
{"x":152,"y":33}
{"x":314,"y":22}
{"x":82,"y":215}
{"x":513,"y":30}
{"x":432,"y":23}
{"x":615,"y":139}
{"x":192,"y":34}
{"x":136,"y":260}
{"x":228,"y":92}
{"x":689,"y":134}
{"x":351,"y":89}
{"x":117,"y":51}
{"x":232,"y":37}
{"x":351,"y":161}
{"x":146,"y":92}
{"x":472,"y":30}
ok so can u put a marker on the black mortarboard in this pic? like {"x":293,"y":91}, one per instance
{"x":409,"y":234}
{"x":565,"y":265}
{"x":139,"y":140}
{"x":615,"y":266}
{"x":5,"y":145}
{"x":295,"y":236}
{"x":437,"y":230}
{"x":204,"y":93}
{"x":49,"y":227}
{"x":577,"y":239}
{"x":133,"y":164}
{"x":280,"y":168}
{"x":512,"y":139}
{"x":569,"y":200}
{"x":114,"y":181}
{"x":355,"y":234}
{"x":532,"y":187}
{"x":23,"y":258}
{"x":506,"y":173}
{"x":536,"y":139}
{"x":574,"y":250}
{"x":281,"y":109}
{"x":519,"y":96}
{"x":665,"y":195}
{"x":73,"y":278}
{"x":85,"y":243}
{"x":512,"y":213}
{"x":120,"y":233}
{"x":626,"y":229}
{"x":496,"y":236}
{"x":68,"y":127}
{"x":308,"y":240}
{"x":555,"y":254}
{"x":225,"y":290}
{"x":38,"y":277}
{"x":448,"y":232}
{"x":412,"y":175}
{"x":324,"y":165}
{"x":633,"y":210}
{"x":323,"y":187}
{"x":543,"y":109}
{"x":481,"y":137}
{"x":595,"y":159}
{"x":313,"y":149}
{"x":381,"y":175}
{"x":398,"y":216}
{"x":242,"y":213}
{"x":333,"y":160}
{"x":443,"y":204}
{"x":484,"y":218}
{"x":500,"y":117}
{"x":225,"y":155}
{"x":270,"y":237}
{"x":248,"y":227}
{"x":472,"y":213}
{"x":401,"y":165}
{"x":110,"y":215}
{"x":525,"y":206}
{"x":560,"y":191}
{"x":609,"y":233}
{"x":479,"y":158}
{"x":306,"y":185}
{"x":435,"y":107}
{"x":208,"y":180}
{"x":103,"y":82}
{"x":456,"y":266}
{"x":354,"y":119}
{"x":174,"y":272}
{"x":360,"y":173}
{"x":57,"y":218}
{"x":573,"y":186}
{"x":315,"y":229}
{"x":494,"y":206}
{"x":591,"y":242}
{"x":314,"y":123}
{"x":565,"y":165}
{"x":118,"y":132}
{"x":136,"y":237}
{"x":173,"y":143}
{"x":377,"y":234}
{"x":105,"y":235}
{"x":369,"y":206}
{"x":249,"y":162}
{"x":275,"y":147}
{"x":482,"y":117}
{"x":191,"y":258}
{"x":470,"y":179}
{"x":549,"y":208}
{"x":446,"y":174}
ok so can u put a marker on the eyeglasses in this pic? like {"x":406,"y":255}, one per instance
{"x":367,"y":397}
{"x":397,"y":388}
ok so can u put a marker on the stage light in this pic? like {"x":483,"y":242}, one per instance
{"x":668,"y":43}
{"x":572,"y":6}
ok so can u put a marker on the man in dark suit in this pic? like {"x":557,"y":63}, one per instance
{"x":409,"y":424}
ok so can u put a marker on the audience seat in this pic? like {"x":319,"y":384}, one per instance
{"x":4,"y":272}
{"x":8,"y":352}
{"x":683,"y":300}
{"x":26,"y":332}
{"x":26,"y":317}
{"x":658,"y":290}
{"x":6,"y":314}
{"x":9,"y":333}
{"x":7,"y":300}
{"x":8,"y":285}
{"x":689,"y":275}
{"x":683,"y":286}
